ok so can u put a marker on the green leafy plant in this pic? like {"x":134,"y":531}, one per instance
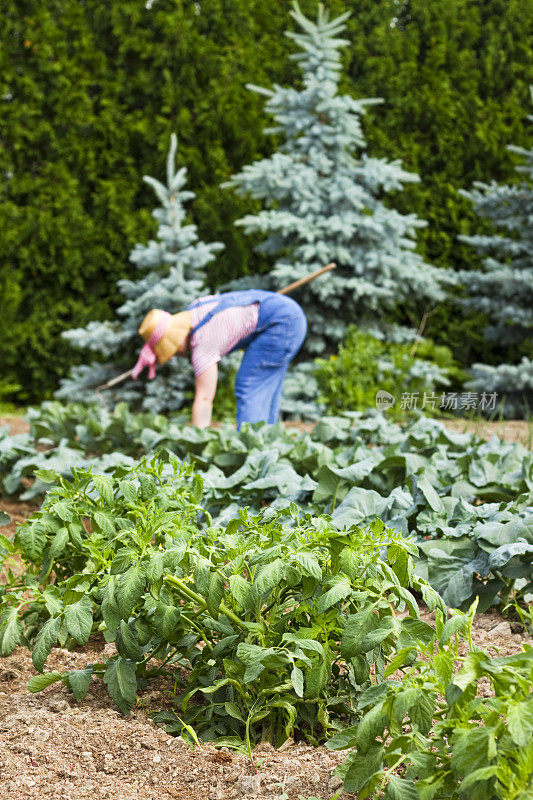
{"x":90,"y":528}
{"x":349,"y":380}
{"x":468,"y":503}
{"x":8,"y":390}
{"x":442,"y":357}
{"x":272,"y":625}
{"x":280,"y":620}
{"x":430,"y":736}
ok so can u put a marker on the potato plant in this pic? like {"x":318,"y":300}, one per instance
{"x":431,"y":736}
{"x":268,"y":626}
{"x":280,"y":619}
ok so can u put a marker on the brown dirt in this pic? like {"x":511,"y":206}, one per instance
{"x":56,"y":749}
{"x":19,"y":513}
{"x":494,"y":634}
{"x":15,"y":424}
{"x":512,"y":430}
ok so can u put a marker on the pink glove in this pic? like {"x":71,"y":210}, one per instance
{"x":147,"y":356}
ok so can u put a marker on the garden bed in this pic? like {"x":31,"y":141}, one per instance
{"x":53,"y":748}
{"x":512,"y":430}
{"x":56,"y":749}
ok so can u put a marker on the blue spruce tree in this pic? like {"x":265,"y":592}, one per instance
{"x":173,"y":274}
{"x":323,"y":200}
{"x":503,"y":287}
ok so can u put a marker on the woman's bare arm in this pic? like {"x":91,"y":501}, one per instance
{"x":202,"y":407}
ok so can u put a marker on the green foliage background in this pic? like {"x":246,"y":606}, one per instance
{"x":90,"y":93}
{"x":348,"y":380}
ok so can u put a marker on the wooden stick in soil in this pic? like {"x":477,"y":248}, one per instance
{"x":290,"y":288}
{"x":425,"y":317}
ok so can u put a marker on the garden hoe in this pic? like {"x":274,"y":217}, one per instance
{"x":286,"y":290}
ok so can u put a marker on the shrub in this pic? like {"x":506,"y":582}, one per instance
{"x":349,"y":380}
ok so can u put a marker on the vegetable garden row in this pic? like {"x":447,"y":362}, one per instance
{"x":275,"y":575}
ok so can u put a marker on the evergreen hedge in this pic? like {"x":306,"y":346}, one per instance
{"x":91,"y":91}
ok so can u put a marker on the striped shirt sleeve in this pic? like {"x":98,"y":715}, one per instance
{"x":220,"y":335}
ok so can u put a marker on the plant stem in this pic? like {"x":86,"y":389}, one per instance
{"x":388,"y":771}
{"x":334,"y":500}
{"x":200,"y":631}
{"x":184,"y":590}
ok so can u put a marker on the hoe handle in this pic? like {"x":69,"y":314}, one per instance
{"x":113,"y":381}
{"x":296,"y":285}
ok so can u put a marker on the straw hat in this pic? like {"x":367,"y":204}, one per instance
{"x":174,"y":336}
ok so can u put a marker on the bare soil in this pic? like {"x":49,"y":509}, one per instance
{"x":511,"y":430}
{"x":53,"y":748}
{"x":56,"y":749}
{"x":19,"y":513}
